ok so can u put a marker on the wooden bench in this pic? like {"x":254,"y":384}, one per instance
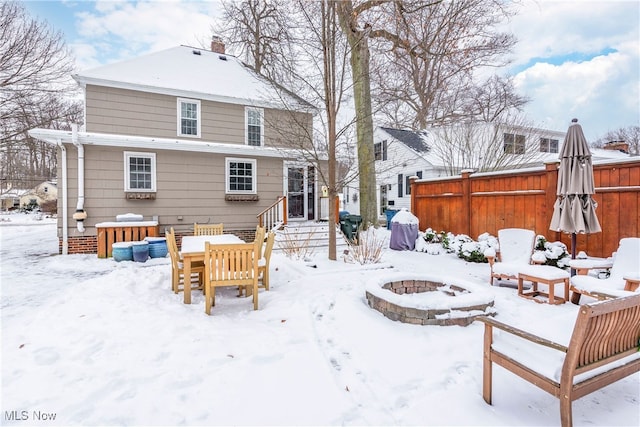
{"x":604,"y":348}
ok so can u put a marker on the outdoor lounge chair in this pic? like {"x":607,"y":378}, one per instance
{"x":207,"y":229}
{"x":602,"y":349}
{"x":515,"y":250}
{"x":626,"y":265}
{"x":177,"y":267}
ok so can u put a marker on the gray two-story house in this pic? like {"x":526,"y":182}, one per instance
{"x":183,"y":136}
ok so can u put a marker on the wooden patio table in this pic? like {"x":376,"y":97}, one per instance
{"x":193,"y":250}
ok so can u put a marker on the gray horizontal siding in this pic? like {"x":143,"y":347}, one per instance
{"x":190,"y":185}
{"x":128,"y":112}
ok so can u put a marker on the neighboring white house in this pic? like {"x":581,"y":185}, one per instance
{"x":401,"y":154}
{"x":10,"y":198}
{"x":43,"y":192}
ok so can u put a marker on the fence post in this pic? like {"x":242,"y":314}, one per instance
{"x":466,"y":200}
{"x":551,"y":171}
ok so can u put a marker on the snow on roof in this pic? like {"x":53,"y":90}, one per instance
{"x":193,"y":72}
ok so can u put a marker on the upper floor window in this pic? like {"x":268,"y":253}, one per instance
{"x":241,"y":176}
{"x":139,"y":171}
{"x":513,"y":144}
{"x":548,"y":145}
{"x":188,"y":117}
{"x":255,"y":126}
{"x":380,"y":150}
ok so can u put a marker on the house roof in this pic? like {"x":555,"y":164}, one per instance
{"x":413,"y":140}
{"x":197,"y":73}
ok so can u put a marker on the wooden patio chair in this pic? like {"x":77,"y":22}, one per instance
{"x":208,"y":229}
{"x":515,"y":250}
{"x":177,"y":266}
{"x":229,"y":265}
{"x":602,"y":349}
{"x":624,"y":269}
{"x":259,"y":240}
{"x":263,"y":263}
{"x":259,"y":244}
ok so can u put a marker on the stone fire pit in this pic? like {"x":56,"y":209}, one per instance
{"x":429,"y":300}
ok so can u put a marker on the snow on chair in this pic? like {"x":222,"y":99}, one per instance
{"x":515,"y":250}
{"x":623,"y":278}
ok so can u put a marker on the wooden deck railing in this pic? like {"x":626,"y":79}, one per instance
{"x":275,"y":215}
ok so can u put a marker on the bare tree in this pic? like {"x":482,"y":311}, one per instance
{"x":426,"y":58}
{"x":629,"y":134}
{"x":35,"y":71}
{"x":357,"y":35}
{"x":509,"y":142}
{"x":258,"y":31}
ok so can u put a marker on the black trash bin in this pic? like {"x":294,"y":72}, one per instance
{"x":350,"y":224}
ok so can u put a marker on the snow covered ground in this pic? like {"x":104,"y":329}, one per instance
{"x":88,"y":341}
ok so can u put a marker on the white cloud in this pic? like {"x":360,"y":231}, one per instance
{"x":603,"y":90}
{"x":127,"y":29}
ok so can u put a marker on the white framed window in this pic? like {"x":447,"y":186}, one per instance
{"x":189,"y":117}
{"x":139,"y":171}
{"x":380,"y":150}
{"x":241,"y":176}
{"x":514,"y":144}
{"x":548,"y":145}
{"x":254,"y":126}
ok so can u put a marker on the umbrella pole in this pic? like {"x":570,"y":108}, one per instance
{"x":573,"y":251}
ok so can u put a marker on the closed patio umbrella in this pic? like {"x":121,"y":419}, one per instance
{"x":575,"y":210}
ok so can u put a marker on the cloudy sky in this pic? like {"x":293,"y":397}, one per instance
{"x":574,"y":58}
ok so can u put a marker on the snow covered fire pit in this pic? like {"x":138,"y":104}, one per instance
{"x":429,"y":300}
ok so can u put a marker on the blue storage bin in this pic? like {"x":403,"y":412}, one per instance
{"x":140,"y":251}
{"x":121,"y":251}
{"x":157,"y":247}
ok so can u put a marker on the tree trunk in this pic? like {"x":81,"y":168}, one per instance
{"x":359,"y":45}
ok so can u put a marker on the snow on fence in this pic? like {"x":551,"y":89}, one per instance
{"x":486,"y":202}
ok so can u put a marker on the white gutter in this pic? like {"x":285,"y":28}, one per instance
{"x":149,"y":143}
{"x":80,"y":215}
{"x":65,"y":209}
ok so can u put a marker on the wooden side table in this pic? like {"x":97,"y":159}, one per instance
{"x":547,"y":275}
{"x":632,"y":282}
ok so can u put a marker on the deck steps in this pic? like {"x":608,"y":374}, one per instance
{"x":309,"y":233}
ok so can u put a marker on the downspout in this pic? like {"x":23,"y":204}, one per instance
{"x":65,"y":208}
{"x":80,"y":215}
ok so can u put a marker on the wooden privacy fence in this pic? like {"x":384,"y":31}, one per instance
{"x":486,"y":202}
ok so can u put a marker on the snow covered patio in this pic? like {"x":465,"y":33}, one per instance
{"x":96,"y":342}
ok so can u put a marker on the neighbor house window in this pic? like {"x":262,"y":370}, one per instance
{"x":139,"y":171}
{"x":513,"y":144}
{"x":548,"y":145}
{"x":241,"y":176}
{"x":400,"y":182}
{"x":188,"y":117}
{"x":255,"y":126}
{"x":380,"y":150}
{"x":408,"y":181}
